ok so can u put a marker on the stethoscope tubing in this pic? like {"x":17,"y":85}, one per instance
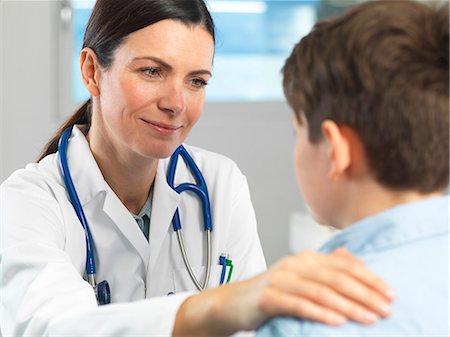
{"x":188,"y":265}
{"x":201,"y":191}
{"x":102,"y":291}
{"x":62,"y":153}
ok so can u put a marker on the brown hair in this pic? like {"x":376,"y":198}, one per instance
{"x":111,"y":21}
{"x":382,"y":69}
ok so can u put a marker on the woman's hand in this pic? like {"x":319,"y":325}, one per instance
{"x":326,"y":288}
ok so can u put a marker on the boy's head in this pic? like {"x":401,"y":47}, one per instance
{"x":373,"y":85}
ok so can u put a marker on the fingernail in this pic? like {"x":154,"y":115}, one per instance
{"x":385,"y":308}
{"x":339,"y":320}
{"x":390,"y":293}
{"x":368,"y":317}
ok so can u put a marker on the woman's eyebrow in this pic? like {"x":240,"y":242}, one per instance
{"x":168,"y":67}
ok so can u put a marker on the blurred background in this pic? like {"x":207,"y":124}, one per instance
{"x":245,"y":116}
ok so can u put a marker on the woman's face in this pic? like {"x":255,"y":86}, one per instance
{"x":153,"y":93}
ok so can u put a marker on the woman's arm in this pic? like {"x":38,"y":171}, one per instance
{"x":326,"y":288}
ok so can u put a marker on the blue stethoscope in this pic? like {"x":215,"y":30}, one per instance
{"x":102,"y":289}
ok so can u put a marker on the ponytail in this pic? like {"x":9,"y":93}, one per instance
{"x":81,"y":116}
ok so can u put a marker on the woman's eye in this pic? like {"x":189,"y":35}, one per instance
{"x":199,"y":82}
{"x":152,"y":72}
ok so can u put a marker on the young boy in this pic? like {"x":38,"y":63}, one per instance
{"x":370,"y":93}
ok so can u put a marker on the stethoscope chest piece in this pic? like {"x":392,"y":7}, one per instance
{"x":103,"y":293}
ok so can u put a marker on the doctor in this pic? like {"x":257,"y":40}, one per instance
{"x":146,"y":65}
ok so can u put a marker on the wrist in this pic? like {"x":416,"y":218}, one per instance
{"x":203,"y":315}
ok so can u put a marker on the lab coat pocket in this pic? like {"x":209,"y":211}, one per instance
{"x":182,"y":281}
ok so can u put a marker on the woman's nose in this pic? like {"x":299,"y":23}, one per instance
{"x":172,"y":99}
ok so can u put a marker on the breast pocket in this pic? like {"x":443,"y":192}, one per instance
{"x":183,"y":282}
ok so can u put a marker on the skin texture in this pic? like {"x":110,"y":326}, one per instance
{"x":146,"y":103}
{"x":335,"y":178}
{"x":325,"y":288}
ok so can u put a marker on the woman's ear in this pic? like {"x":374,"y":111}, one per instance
{"x":339,"y":149}
{"x":90,"y":69}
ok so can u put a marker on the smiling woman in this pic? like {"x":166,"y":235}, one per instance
{"x":151,"y":95}
{"x":145,"y":64}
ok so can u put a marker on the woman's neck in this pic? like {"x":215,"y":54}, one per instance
{"x":129,"y":175}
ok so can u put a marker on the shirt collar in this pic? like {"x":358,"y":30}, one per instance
{"x":399,"y":224}
{"x":147,"y":208}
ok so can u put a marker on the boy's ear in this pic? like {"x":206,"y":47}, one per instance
{"x":340,"y":154}
{"x":90,"y":71}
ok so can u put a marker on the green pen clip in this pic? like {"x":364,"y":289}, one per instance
{"x":229,"y":264}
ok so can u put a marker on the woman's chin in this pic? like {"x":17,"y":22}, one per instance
{"x":160,"y":152}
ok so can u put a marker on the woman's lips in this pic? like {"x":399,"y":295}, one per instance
{"x":162,"y":127}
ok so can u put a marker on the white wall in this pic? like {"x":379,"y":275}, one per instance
{"x":29,"y":86}
{"x":258,"y":137}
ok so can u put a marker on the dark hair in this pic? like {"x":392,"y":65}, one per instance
{"x":111,"y":21}
{"x":383,"y":70}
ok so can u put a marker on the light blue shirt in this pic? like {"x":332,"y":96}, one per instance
{"x":408,"y":246}
{"x":143,"y":218}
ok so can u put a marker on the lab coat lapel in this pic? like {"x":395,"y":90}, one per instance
{"x":89,"y":182}
{"x":165,"y":202}
{"x":123,"y":219}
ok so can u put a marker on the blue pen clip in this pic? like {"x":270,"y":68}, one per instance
{"x":223,"y":263}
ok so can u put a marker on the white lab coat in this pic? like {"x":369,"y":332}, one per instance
{"x":43,"y":247}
